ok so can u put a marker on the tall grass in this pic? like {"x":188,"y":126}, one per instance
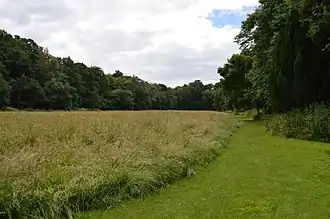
{"x":55,"y":164}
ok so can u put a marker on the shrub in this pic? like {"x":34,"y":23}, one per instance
{"x":312,"y":123}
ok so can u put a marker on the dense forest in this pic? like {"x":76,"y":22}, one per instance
{"x":31,"y":78}
{"x":284,"y":62}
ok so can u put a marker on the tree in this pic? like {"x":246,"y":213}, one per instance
{"x":234,"y":81}
{"x":121,"y":99}
{"x":60,"y":95}
{"x":4,"y":92}
{"x":33,"y":78}
{"x":289,"y":43}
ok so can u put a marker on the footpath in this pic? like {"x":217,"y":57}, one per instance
{"x":257,"y":176}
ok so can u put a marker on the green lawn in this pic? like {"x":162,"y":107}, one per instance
{"x":259,"y":176}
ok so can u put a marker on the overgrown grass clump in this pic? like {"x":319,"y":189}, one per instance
{"x":56,"y":164}
{"x":312,"y":123}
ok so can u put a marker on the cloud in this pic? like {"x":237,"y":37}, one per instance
{"x":172,"y":42}
{"x":234,"y":18}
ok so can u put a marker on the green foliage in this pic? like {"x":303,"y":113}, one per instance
{"x":4,"y":92}
{"x":120,"y":99}
{"x":312,"y":123}
{"x":288,"y":42}
{"x":234,"y":81}
{"x":31,"y":78}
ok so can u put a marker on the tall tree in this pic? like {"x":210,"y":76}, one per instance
{"x":235,"y":83}
{"x":4,"y":93}
{"x":289,"y":43}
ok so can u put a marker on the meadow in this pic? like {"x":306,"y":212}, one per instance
{"x":55,"y":164}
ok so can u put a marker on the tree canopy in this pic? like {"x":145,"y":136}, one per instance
{"x":289,"y":43}
{"x":30,"y":77}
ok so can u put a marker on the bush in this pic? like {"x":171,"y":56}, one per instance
{"x":311,"y":123}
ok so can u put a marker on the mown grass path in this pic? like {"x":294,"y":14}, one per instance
{"x":259,"y":176}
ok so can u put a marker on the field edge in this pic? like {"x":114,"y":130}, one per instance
{"x":133,"y":186}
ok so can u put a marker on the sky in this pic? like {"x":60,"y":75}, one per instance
{"x":171,"y":42}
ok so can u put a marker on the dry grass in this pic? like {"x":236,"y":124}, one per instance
{"x":55,"y":164}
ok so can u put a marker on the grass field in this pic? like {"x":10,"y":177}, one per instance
{"x":259,"y":176}
{"x":54,"y":164}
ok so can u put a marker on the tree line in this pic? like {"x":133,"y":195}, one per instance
{"x":284,"y":62}
{"x":31,"y":78}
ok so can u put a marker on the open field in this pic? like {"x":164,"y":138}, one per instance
{"x":54,"y":164}
{"x":259,"y":176}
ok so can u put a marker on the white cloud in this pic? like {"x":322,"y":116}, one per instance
{"x":168,"y":42}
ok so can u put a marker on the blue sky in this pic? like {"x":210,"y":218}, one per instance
{"x":234,"y":18}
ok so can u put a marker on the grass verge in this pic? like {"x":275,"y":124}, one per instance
{"x":56,"y":164}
